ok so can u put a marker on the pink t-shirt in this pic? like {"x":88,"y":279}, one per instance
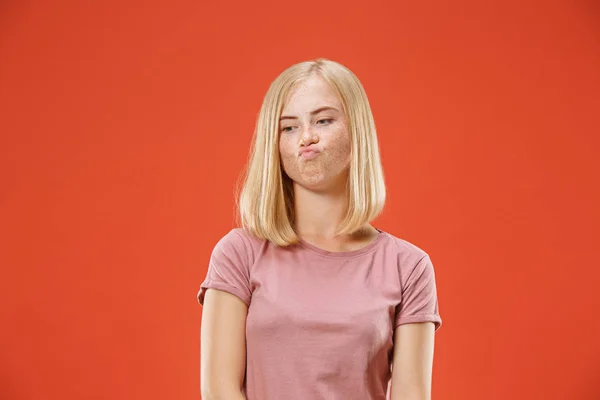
{"x":320,"y":324}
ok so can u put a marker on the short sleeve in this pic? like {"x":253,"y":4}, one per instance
{"x":228,"y":269}
{"x":419,"y":296}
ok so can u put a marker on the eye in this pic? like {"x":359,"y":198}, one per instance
{"x":285,"y":129}
{"x":326,"y":119}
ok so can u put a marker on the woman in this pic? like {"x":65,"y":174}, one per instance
{"x":307,"y":300}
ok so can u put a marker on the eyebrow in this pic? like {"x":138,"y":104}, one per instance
{"x":313,"y":112}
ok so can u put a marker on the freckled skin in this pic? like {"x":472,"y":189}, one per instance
{"x":330,"y":167}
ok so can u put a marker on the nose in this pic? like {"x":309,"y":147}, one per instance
{"x":307,"y":137}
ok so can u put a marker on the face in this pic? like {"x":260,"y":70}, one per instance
{"x":314,"y":143}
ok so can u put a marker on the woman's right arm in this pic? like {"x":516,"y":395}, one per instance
{"x":222,"y":346}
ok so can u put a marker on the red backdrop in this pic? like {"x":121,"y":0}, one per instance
{"x":126,"y":124}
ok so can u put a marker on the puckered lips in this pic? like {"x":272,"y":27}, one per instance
{"x":308,"y":152}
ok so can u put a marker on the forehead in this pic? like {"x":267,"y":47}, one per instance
{"x":311,"y":92}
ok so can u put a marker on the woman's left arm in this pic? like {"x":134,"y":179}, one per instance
{"x":413,"y":361}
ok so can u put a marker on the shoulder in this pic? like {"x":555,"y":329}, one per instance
{"x":239,"y":242}
{"x":408,"y":254}
{"x":238,"y":237}
{"x":404,"y":248}
{"x":417,"y":278}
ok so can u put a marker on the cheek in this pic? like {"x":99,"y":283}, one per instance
{"x":283,"y":148}
{"x":286,"y":152}
{"x":340,"y":148}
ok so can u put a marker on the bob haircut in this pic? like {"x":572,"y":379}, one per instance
{"x":266,"y":199}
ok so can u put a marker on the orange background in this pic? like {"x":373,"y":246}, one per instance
{"x":126,"y":124}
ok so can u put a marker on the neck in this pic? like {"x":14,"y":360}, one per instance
{"x":318,"y":214}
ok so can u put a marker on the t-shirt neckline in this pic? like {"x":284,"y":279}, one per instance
{"x":344,"y":254}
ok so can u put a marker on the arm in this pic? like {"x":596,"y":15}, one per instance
{"x":412,"y":361}
{"x":222,"y":346}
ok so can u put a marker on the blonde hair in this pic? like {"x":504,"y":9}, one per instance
{"x":265,"y":202}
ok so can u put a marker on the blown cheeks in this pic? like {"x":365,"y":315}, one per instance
{"x":320,"y":170}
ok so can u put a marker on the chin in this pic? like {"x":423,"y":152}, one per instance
{"x":317,"y":184}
